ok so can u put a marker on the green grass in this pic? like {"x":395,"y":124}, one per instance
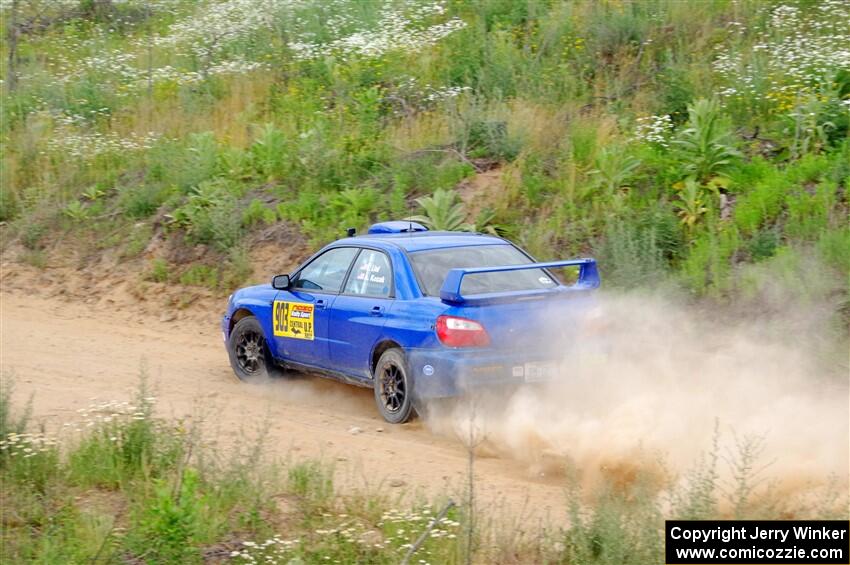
{"x":129,"y":486}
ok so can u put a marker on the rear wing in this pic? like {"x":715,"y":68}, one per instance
{"x":588,"y":278}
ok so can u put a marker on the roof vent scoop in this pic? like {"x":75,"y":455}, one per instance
{"x":399,"y":226}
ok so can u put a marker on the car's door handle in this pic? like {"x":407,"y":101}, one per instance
{"x":377,"y":311}
{"x":320,"y":304}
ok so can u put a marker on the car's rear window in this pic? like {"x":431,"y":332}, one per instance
{"x":433,"y":265}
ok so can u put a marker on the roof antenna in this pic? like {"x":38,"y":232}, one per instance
{"x":409,"y":216}
{"x":351,"y":232}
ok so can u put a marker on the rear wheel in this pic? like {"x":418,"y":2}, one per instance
{"x":393,"y":390}
{"x":249,"y":352}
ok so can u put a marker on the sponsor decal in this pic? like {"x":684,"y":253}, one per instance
{"x":293,"y":319}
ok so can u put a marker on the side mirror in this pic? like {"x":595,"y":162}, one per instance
{"x":280,"y":282}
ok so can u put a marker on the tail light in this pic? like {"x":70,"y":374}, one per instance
{"x":461,"y":332}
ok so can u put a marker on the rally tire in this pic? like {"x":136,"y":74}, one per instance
{"x":249,"y":353}
{"x":394,"y":387}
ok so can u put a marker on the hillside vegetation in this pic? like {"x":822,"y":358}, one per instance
{"x":673,"y":140}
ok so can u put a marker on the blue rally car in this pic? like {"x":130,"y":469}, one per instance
{"x":413,"y":314}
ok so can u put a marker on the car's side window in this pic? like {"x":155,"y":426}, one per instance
{"x":371,"y":275}
{"x":327,"y":271}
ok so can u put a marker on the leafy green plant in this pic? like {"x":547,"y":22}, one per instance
{"x":77,"y":211}
{"x":705,"y":143}
{"x":353,"y":205}
{"x":94,"y":192}
{"x":615,"y":168}
{"x":485,"y":223}
{"x":443,"y":211}
{"x":269,"y":152}
{"x":809,"y":124}
{"x":691,"y":204}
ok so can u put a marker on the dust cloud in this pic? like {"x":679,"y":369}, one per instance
{"x":647,"y":378}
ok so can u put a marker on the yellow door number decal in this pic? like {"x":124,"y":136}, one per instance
{"x":293,"y":319}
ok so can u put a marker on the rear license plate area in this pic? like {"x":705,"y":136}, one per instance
{"x":539,"y":372}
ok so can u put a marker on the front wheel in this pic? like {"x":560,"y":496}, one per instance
{"x":249,"y":352}
{"x":393,"y":390}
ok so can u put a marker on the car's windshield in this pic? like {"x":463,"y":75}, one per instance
{"x":433,"y":265}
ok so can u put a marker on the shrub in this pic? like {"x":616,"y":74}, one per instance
{"x":763,"y":244}
{"x":138,"y":240}
{"x":142,"y":201}
{"x":169,"y":521}
{"x":614,"y":531}
{"x":708,"y":266}
{"x":200,"y":275}
{"x":236,"y":270}
{"x":311,"y":481}
{"x":809,"y":212}
{"x":490,"y":139}
{"x":210,"y":215}
{"x":8,"y":204}
{"x":33,"y":233}
{"x":256,"y":213}
{"x":632,"y":253}
{"x":270,"y":153}
{"x":761,"y":205}
{"x":158,"y":271}
{"x":833,"y":246}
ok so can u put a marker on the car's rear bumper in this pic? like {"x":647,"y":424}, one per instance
{"x":453,"y":372}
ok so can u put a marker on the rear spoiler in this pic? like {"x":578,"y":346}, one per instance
{"x":588,"y":278}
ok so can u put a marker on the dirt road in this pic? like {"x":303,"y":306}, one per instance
{"x":68,"y":356}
